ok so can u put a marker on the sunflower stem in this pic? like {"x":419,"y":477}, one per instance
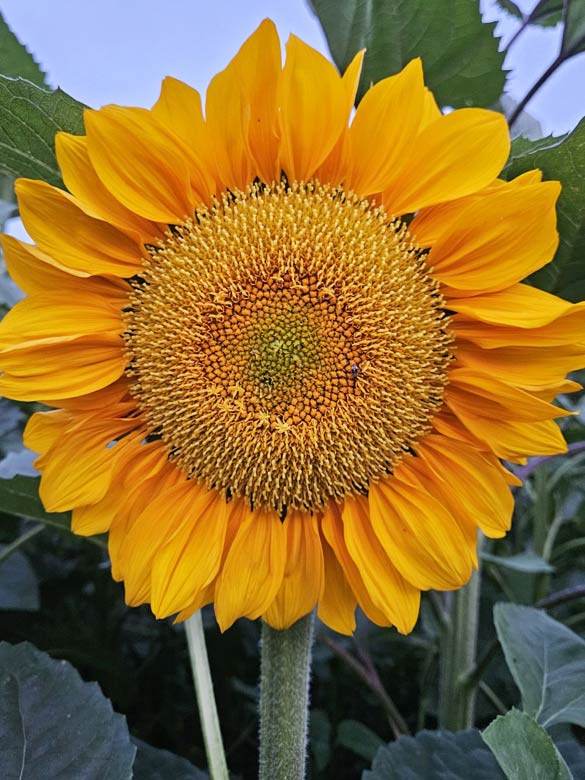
{"x":205,"y":699}
{"x":284,"y":700}
{"x":458,"y":659}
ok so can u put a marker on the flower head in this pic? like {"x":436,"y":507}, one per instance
{"x":288,"y":348}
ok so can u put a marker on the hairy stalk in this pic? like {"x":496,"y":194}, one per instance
{"x":458,"y":649}
{"x":205,"y":698}
{"x":284,"y":700}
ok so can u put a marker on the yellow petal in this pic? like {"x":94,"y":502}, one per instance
{"x":303,"y":574}
{"x":189,"y":560}
{"x":60,"y":227}
{"x":473,"y":488}
{"x":384,"y":128}
{"x":143,"y":165}
{"x":62,"y":370}
{"x":498,"y":240}
{"x":313,"y":110}
{"x":43,"y":429}
{"x":81,"y":179}
{"x":253,"y":569}
{"x":332,"y":525}
{"x":529,"y":368}
{"x":36,"y":272}
{"x":88,"y":447}
{"x":394,"y":595}
{"x":178,"y":108}
{"x":336,"y":164}
{"x":567,"y":329}
{"x":242,"y":113}
{"x":420,"y":534}
{"x":453,"y":156}
{"x":337,"y":603}
{"x":514,"y":441}
{"x":487,"y":396}
{"x":48,"y":317}
{"x":520,"y":306}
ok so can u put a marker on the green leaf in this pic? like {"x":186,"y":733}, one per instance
{"x":511,"y":8}
{"x":20,"y":496}
{"x":154,"y":764}
{"x":19,"y":587}
{"x":435,"y":755}
{"x":361,"y":740}
{"x":320,"y":738}
{"x":559,"y":159}
{"x":574,"y":32}
{"x":462,"y":64}
{"x":15,"y":59}
{"x":54,"y":725}
{"x":523,"y":748}
{"x":547,"y":662}
{"x":547,"y":13}
{"x":528,"y":562}
{"x":29,"y":119}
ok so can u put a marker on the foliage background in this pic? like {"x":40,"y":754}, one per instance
{"x":56,"y":590}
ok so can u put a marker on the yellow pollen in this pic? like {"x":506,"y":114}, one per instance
{"x":288,"y":345}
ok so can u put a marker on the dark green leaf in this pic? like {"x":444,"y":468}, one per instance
{"x":561,"y":159}
{"x":54,"y":725}
{"x":574,"y":33}
{"x":320,"y":738}
{"x":435,"y":755}
{"x":511,"y":8}
{"x":154,"y":764}
{"x":527,"y":562}
{"x":547,"y":662}
{"x":523,"y":748}
{"x":574,"y":754}
{"x":19,"y":587}
{"x":29,"y":119}
{"x":547,"y":13}
{"x":361,"y":740}
{"x":462,"y":64}
{"x":15,"y":60}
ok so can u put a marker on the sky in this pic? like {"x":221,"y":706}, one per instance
{"x":118,"y":51}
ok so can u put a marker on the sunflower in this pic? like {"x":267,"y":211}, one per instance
{"x":287,"y":348}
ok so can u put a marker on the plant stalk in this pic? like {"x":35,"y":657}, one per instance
{"x":284,"y":700}
{"x":457,"y":691}
{"x":205,"y":699}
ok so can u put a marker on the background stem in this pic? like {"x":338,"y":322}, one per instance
{"x":459,"y":645}
{"x":205,"y":698}
{"x":284,"y":700}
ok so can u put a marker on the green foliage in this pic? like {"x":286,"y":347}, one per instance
{"x":15,"y":59}
{"x":524,"y":750}
{"x":527,"y":562}
{"x":361,"y":740}
{"x":560,"y":159}
{"x":29,"y":119}
{"x":463,"y":66}
{"x":55,"y":725}
{"x":547,"y":661}
{"x":546,"y":12}
{"x":574,"y":33}
{"x":19,"y":587}
{"x":155,"y":764}
{"x":435,"y":755}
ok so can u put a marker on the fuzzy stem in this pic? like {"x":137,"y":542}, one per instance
{"x":205,"y":698}
{"x":284,"y":700}
{"x":459,"y":645}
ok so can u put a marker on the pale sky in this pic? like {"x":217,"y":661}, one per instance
{"x":118,"y":51}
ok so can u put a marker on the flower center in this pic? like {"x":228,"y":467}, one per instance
{"x":288,"y":345}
